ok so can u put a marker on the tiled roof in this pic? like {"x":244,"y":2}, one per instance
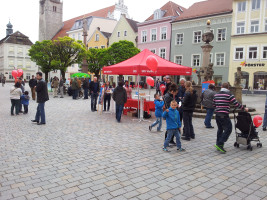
{"x":67,"y":25}
{"x":106,"y":34}
{"x":207,"y":8}
{"x":17,"y":38}
{"x":170,"y":9}
{"x":133,"y":24}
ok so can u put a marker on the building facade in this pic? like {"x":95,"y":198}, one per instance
{"x":14,"y":55}
{"x":99,"y":39}
{"x":155,"y":33}
{"x":126,"y":29}
{"x":187,"y":33}
{"x":249,"y":43}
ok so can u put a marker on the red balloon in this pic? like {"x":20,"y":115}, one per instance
{"x":20,"y":72}
{"x":257,"y":120}
{"x":150,"y":81}
{"x":162,"y":88}
{"x":152,"y":63}
{"x":15,"y":74}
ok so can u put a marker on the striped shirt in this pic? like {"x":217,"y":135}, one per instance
{"x":222,"y":101}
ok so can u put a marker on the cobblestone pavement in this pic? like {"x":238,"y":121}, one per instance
{"x":79,"y":154}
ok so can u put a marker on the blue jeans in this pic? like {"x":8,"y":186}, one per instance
{"x":188,"y":126}
{"x":119,"y":109}
{"x":93,"y":101}
{"x":40,"y":113}
{"x":265,"y":115}
{"x":224,"y":129}
{"x":170,"y":134}
{"x":159,"y":122}
{"x":208,"y":117}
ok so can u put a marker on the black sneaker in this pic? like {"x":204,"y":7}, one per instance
{"x":185,"y":138}
{"x":264,"y":128}
{"x":192,"y":137}
{"x":149,"y":128}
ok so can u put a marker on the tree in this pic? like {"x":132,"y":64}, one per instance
{"x":122,"y":50}
{"x":97,"y":59}
{"x":42,"y":54}
{"x":67,"y":52}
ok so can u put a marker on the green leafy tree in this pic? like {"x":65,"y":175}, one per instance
{"x":122,"y":50}
{"x":42,"y":54}
{"x":67,"y":52}
{"x":97,"y":59}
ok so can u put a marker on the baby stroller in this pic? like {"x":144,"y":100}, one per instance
{"x":243,"y":122}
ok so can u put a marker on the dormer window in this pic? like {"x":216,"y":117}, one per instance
{"x":178,"y":13}
{"x":158,"y":14}
{"x":181,"y":9}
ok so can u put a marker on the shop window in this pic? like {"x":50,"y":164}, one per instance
{"x":245,"y":80}
{"x":197,"y":37}
{"x":10,"y":75}
{"x":28,"y":76}
{"x":253,"y":52}
{"x":179,"y":38}
{"x":239,"y":53}
{"x":260,"y":80}
{"x":218,"y":80}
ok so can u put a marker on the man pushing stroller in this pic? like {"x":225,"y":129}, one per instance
{"x":222,"y":101}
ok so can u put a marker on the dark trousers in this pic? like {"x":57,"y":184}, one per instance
{"x":25,"y":108}
{"x":188,"y":126}
{"x":74,"y":94}
{"x":158,"y":92}
{"x":107,"y":100}
{"x":224,"y":129}
{"x":119,"y":109}
{"x":85,"y":93}
{"x":15,"y":104}
{"x":93,"y":101}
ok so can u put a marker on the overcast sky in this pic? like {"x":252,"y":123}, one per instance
{"x":24,"y":14}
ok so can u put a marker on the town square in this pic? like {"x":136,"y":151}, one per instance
{"x":103,"y":102}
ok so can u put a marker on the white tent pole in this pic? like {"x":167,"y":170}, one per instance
{"x":138,"y":110}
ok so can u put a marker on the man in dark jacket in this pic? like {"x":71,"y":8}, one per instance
{"x":32,"y":84}
{"x":42,"y":97}
{"x":207,"y":102}
{"x":75,"y":88}
{"x":120,"y":97}
{"x":85,"y":88}
{"x":94,"y":91}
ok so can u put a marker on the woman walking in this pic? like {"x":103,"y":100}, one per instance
{"x":189,"y":103}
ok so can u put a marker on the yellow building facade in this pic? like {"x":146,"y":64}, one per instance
{"x":249,"y":43}
{"x":98,"y":40}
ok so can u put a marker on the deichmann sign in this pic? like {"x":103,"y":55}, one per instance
{"x":244,"y":64}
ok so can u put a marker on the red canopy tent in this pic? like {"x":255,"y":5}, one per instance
{"x":137,"y":66}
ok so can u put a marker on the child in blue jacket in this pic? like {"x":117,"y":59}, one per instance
{"x":173,"y":126}
{"x":158,"y":112}
{"x":25,"y":101}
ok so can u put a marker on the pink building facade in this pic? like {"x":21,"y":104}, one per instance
{"x":155,"y":35}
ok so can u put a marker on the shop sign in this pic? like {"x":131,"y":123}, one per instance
{"x":244,"y":64}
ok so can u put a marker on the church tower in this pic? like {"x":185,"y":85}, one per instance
{"x":50,"y":18}
{"x":9,"y":29}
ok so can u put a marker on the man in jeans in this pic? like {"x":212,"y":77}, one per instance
{"x":207,"y":101}
{"x":42,"y":97}
{"x":120,"y":97}
{"x":222,"y":101}
{"x":94,"y":91}
{"x":265,"y":116}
